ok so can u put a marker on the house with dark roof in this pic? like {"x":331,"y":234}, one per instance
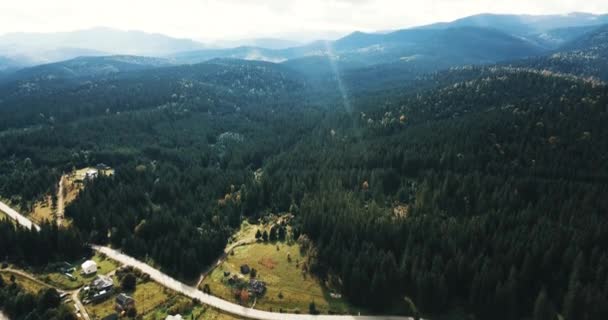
{"x":101,"y":283}
{"x":257,"y":287}
{"x":124,"y":302}
{"x":245,"y":269}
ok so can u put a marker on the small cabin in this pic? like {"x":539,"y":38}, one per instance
{"x":257,"y":287}
{"x":91,"y":174}
{"x":89,"y":267}
{"x":124,"y":302}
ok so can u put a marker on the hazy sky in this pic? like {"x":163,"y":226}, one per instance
{"x":232,"y":19}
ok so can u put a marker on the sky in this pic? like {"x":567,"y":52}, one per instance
{"x":213,"y":20}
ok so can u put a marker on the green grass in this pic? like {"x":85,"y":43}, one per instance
{"x":184,"y":306}
{"x":104,"y":266}
{"x":288,"y":287}
{"x":149,"y":296}
{"x":27,"y":284}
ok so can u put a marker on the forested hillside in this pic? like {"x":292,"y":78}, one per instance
{"x":474,"y":191}
{"x":585,"y":56}
{"x":85,"y":67}
{"x":219,"y":85}
{"x":481,"y":197}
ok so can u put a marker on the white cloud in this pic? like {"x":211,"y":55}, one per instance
{"x":230,"y":19}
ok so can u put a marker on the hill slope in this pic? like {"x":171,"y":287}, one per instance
{"x":219,"y":85}
{"x":51,"y":47}
{"x":585,"y":56}
{"x":469,"y":196}
{"x":543,"y":29}
{"x":85,"y":67}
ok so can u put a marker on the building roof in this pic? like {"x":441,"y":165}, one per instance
{"x":102,"y":282}
{"x":175,"y":317}
{"x":89,"y":263}
{"x":123,"y":299}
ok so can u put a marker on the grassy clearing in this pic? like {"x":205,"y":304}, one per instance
{"x":27,"y":284}
{"x":185,"y":307}
{"x":289,"y":288}
{"x":149,"y":296}
{"x":42,"y":211}
{"x":104,"y":266}
{"x":245,"y":233}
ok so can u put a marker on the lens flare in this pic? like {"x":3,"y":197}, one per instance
{"x":336,"y":71}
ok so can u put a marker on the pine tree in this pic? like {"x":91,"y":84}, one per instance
{"x":543,"y":310}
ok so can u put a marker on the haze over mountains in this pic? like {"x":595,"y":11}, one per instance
{"x":500,"y":35}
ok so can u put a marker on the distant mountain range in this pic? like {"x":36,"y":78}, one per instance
{"x":35,"y":48}
{"x":479,"y":39}
{"x":585,"y":56}
{"x":267,"y":43}
{"x":547,"y":30}
{"x":83,"y":67}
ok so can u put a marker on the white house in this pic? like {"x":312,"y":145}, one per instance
{"x":89,"y":267}
{"x":91,"y":174}
{"x":175,"y":317}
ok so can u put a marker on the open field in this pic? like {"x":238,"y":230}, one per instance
{"x":42,"y":211}
{"x":245,"y":233}
{"x":185,"y":307}
{"x":148,"y":297}
{"x":104,"y":266}
{"x":289,"y":288}
{"x":27,"y":284}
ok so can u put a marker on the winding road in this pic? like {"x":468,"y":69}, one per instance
{"x":194,"y":293}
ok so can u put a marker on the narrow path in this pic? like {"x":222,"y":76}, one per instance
{"x":82,"y":309}
{"x":60,"y":202}
{"x":73,"y":293}
{"x":30,"y":277}
{"x":222,"y":258}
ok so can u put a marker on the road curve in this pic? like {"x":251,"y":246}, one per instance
{"x":224,"y":305}
{"x":22,"y":220}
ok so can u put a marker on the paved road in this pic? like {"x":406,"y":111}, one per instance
{"x":22,"y":220}
{"x":223,"y":305}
